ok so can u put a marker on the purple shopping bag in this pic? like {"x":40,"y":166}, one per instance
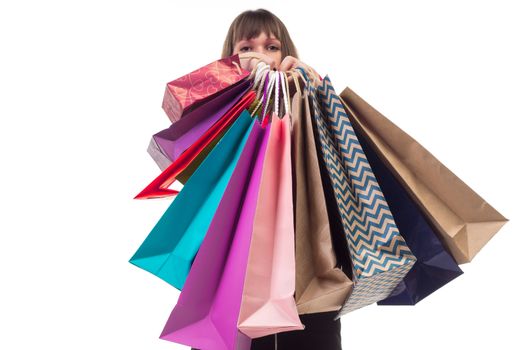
{"x":168,"y":144}
{"x":206,"y":314}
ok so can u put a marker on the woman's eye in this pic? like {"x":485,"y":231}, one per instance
{"x":245,"y":49}
{"x":273,"y":48}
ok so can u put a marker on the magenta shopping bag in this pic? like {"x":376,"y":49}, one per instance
{"x":206,"y":314}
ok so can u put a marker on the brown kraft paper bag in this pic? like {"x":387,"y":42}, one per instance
{"x":320,"y":285}
{"x":464,"y":220}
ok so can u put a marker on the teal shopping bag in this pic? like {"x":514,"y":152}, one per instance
{"x":171,"y":246}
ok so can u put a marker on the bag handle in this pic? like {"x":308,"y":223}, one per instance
{"x":297,"y":84}
{"x":259,"y":59}
{"x":265,"y":91}
{"x":261,"y":67}
{"x":261,"y":75}
{"x":268,"y":92}
{"x":262,"y":88}
{"x":264,"y":77}
{"x":303,"y":74}
{"x":286,"y":92}
{"x":276,"y":99}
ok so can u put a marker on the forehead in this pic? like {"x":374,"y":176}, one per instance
{"x":262,"y":36}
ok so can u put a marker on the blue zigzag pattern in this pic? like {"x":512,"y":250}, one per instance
{"x":380,"y":256}
{"x":337,"y":117}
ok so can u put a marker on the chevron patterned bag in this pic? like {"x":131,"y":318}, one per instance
{"x":380,"y":257}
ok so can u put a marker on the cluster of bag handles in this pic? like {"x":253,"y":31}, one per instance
{"x":271,"y":85}
{"x":266,"y":82}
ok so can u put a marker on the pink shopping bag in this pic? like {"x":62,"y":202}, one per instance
{"x":268,"y":304}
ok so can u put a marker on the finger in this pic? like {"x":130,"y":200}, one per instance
{"x":285,"y":64}
{"x":246,"y":60}
{"x":245,"y":64}
{"x":288,"y":63}
{"x":253,"y":62}
{"x":270,"y":61}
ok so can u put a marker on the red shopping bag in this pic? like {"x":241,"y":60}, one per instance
{"x":158,"y":188}
{"x":189,"y":91}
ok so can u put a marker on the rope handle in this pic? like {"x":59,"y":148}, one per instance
{"x":268,"y":92}
{"x":276,"y":101}
{"x":238,"y":67}
{"x":259,"y":69}
{"x":263,"y":77}
{"x":286,"y":93}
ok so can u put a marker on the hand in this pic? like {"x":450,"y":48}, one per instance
{"x":250,"y":59}
{"x":291,"y":62}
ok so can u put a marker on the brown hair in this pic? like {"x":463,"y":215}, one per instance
{"x":250,"y":24}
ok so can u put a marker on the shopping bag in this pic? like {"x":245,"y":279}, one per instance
{"x":176,"y":139}
{"x":268,"y":304}
{"x":154,"y":150}
{"x":380,"y":256}
{"x":193,"y":156}
{"x":320,"y":286}
{"x":464,"y":220}
{"x":207,"y":310}
{"x":434,"y":267}
{"x":168,"y":251}
{"x":189,"y":91}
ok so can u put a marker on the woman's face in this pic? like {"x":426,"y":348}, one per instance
{"x":269,"y":46}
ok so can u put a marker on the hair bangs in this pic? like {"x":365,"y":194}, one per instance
{"x":252,"y":24}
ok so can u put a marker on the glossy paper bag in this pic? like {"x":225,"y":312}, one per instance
{"x":268,"y":304}
{"x":171,"y":246}
{"x":176,"y":139}
{"x":189,"y":91}
{"x":206,"y":313}
{"x":188,"y":162}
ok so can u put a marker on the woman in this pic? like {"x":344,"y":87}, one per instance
{"x":260,"y":35}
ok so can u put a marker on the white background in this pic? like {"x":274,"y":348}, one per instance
{"x":81,"y":85}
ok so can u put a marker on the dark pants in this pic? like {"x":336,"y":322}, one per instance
{"x":321,"y":332}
